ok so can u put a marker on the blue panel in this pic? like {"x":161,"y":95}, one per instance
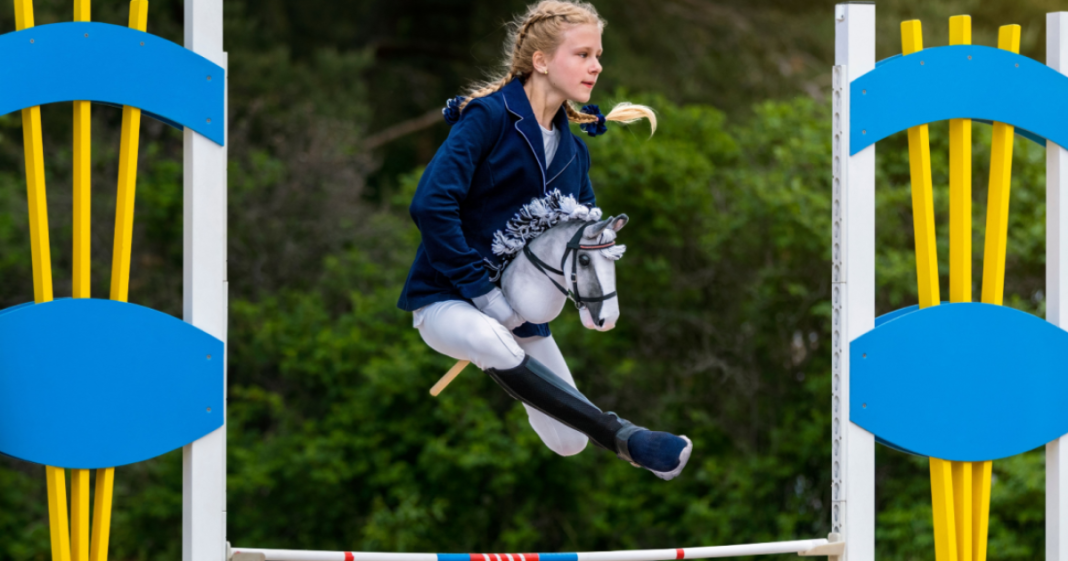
{"x":893,"y":446}
{"x":1041,"y":141}
{"x":895,"y":314}
{"x":995,"y":85}
{"x":887,"y":59}
{"x":112,"y":64}
{"x":966,"y":382}
{"x":558,"y":557}
{"x":454,"y":557}
{"x":159,"y":118}
{"x":16,"y":307}
{"x":890,"y":316}
{"x":96,"y":383}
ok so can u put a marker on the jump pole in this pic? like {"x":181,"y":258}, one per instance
{"x":1057,"y":293}
{"x":853,"y":285}
{"x":204,"y":296}
{"x":805,"y":548}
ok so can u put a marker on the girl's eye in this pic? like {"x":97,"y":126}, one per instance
{"x":584,"y":260}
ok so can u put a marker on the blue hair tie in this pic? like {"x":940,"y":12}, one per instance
{"x":452,"y":110}
{"x":594,"y":129}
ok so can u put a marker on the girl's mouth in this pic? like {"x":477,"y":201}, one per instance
{"x":588,"y":84}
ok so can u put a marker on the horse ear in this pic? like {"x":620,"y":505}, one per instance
{"x":595,"y":230}
{"x":614,"y":222}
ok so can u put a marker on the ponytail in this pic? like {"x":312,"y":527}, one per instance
{"x":624,"y":113}
{"x":486,"y":90}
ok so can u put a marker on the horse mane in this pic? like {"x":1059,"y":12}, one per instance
{"x":534,"y":219}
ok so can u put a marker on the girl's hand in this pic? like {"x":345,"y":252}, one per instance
{"x":496,"y":306}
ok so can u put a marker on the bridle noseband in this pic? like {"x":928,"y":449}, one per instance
{"x":574,"y":245}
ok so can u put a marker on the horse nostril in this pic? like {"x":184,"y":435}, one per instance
{"x":600,"y":322}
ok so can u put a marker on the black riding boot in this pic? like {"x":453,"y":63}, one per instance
{"x":534,"y":384}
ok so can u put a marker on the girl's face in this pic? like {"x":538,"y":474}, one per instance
{"x":575,"y":66}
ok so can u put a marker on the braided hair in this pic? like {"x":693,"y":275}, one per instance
{"x":541,"y":28}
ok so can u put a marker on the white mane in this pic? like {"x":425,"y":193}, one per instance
{"x":537,"y":217}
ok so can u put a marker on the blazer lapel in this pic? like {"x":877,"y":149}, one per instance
{"x":565,"y":152}
{"x":515,"y":100}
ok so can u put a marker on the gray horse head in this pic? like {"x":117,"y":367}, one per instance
{"x":572,"y":260}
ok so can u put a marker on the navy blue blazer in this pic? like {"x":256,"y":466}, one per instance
{"x":492,"y":163}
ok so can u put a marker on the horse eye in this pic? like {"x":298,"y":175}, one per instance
{"x":584,"y":260}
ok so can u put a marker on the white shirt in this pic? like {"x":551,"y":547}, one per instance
{"x":552,"y":140}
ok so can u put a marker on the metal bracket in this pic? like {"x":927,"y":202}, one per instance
{"x":835,"y":548}
{"x":248,"y":557}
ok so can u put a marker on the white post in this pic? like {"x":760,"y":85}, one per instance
{"x":1057,"y":293}
{"x":205,"y":296}
{"x":853,"y":285}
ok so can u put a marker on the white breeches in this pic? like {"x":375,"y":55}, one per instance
{"x":457,"y":329}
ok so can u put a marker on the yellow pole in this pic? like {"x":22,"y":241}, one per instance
{"x":960,"y":277}
{"x":35,"y":180}
{"x":997,"y":233}
{"x":120,"y":275}
{"x":981,"y":475}
{"x":81,"y":285}
{"x":79,"y":514}
{"x":57,"y":513}
{"x":962,"y":508}
{"x":82,"y":178}
{"x":997,"y":210}
{"x":33,"y":147}
{"x":922,"y":191}
{"x":105,"y":486}
{"x":124,"y":203}
{"x":942,"y":491}
{"x":942,"y":503}
{"x":960,"y":186}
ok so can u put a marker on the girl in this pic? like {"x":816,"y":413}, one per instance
{"x":510,"y":142}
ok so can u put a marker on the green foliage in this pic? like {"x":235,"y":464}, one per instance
{"x":724,"y":337}
{"x":334,"y":442}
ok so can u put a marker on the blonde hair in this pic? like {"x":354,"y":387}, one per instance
{"x":541,"y":28}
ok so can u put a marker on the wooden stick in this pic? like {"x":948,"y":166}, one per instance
{"x":449,"y":376}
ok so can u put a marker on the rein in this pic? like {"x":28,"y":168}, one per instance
{"x":574,"y":245}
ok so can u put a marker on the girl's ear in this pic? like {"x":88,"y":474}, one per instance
{"x":540,"y":62}
{"x":619,"y":222}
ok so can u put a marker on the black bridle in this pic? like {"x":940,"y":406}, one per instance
{"x":574,"y":245}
